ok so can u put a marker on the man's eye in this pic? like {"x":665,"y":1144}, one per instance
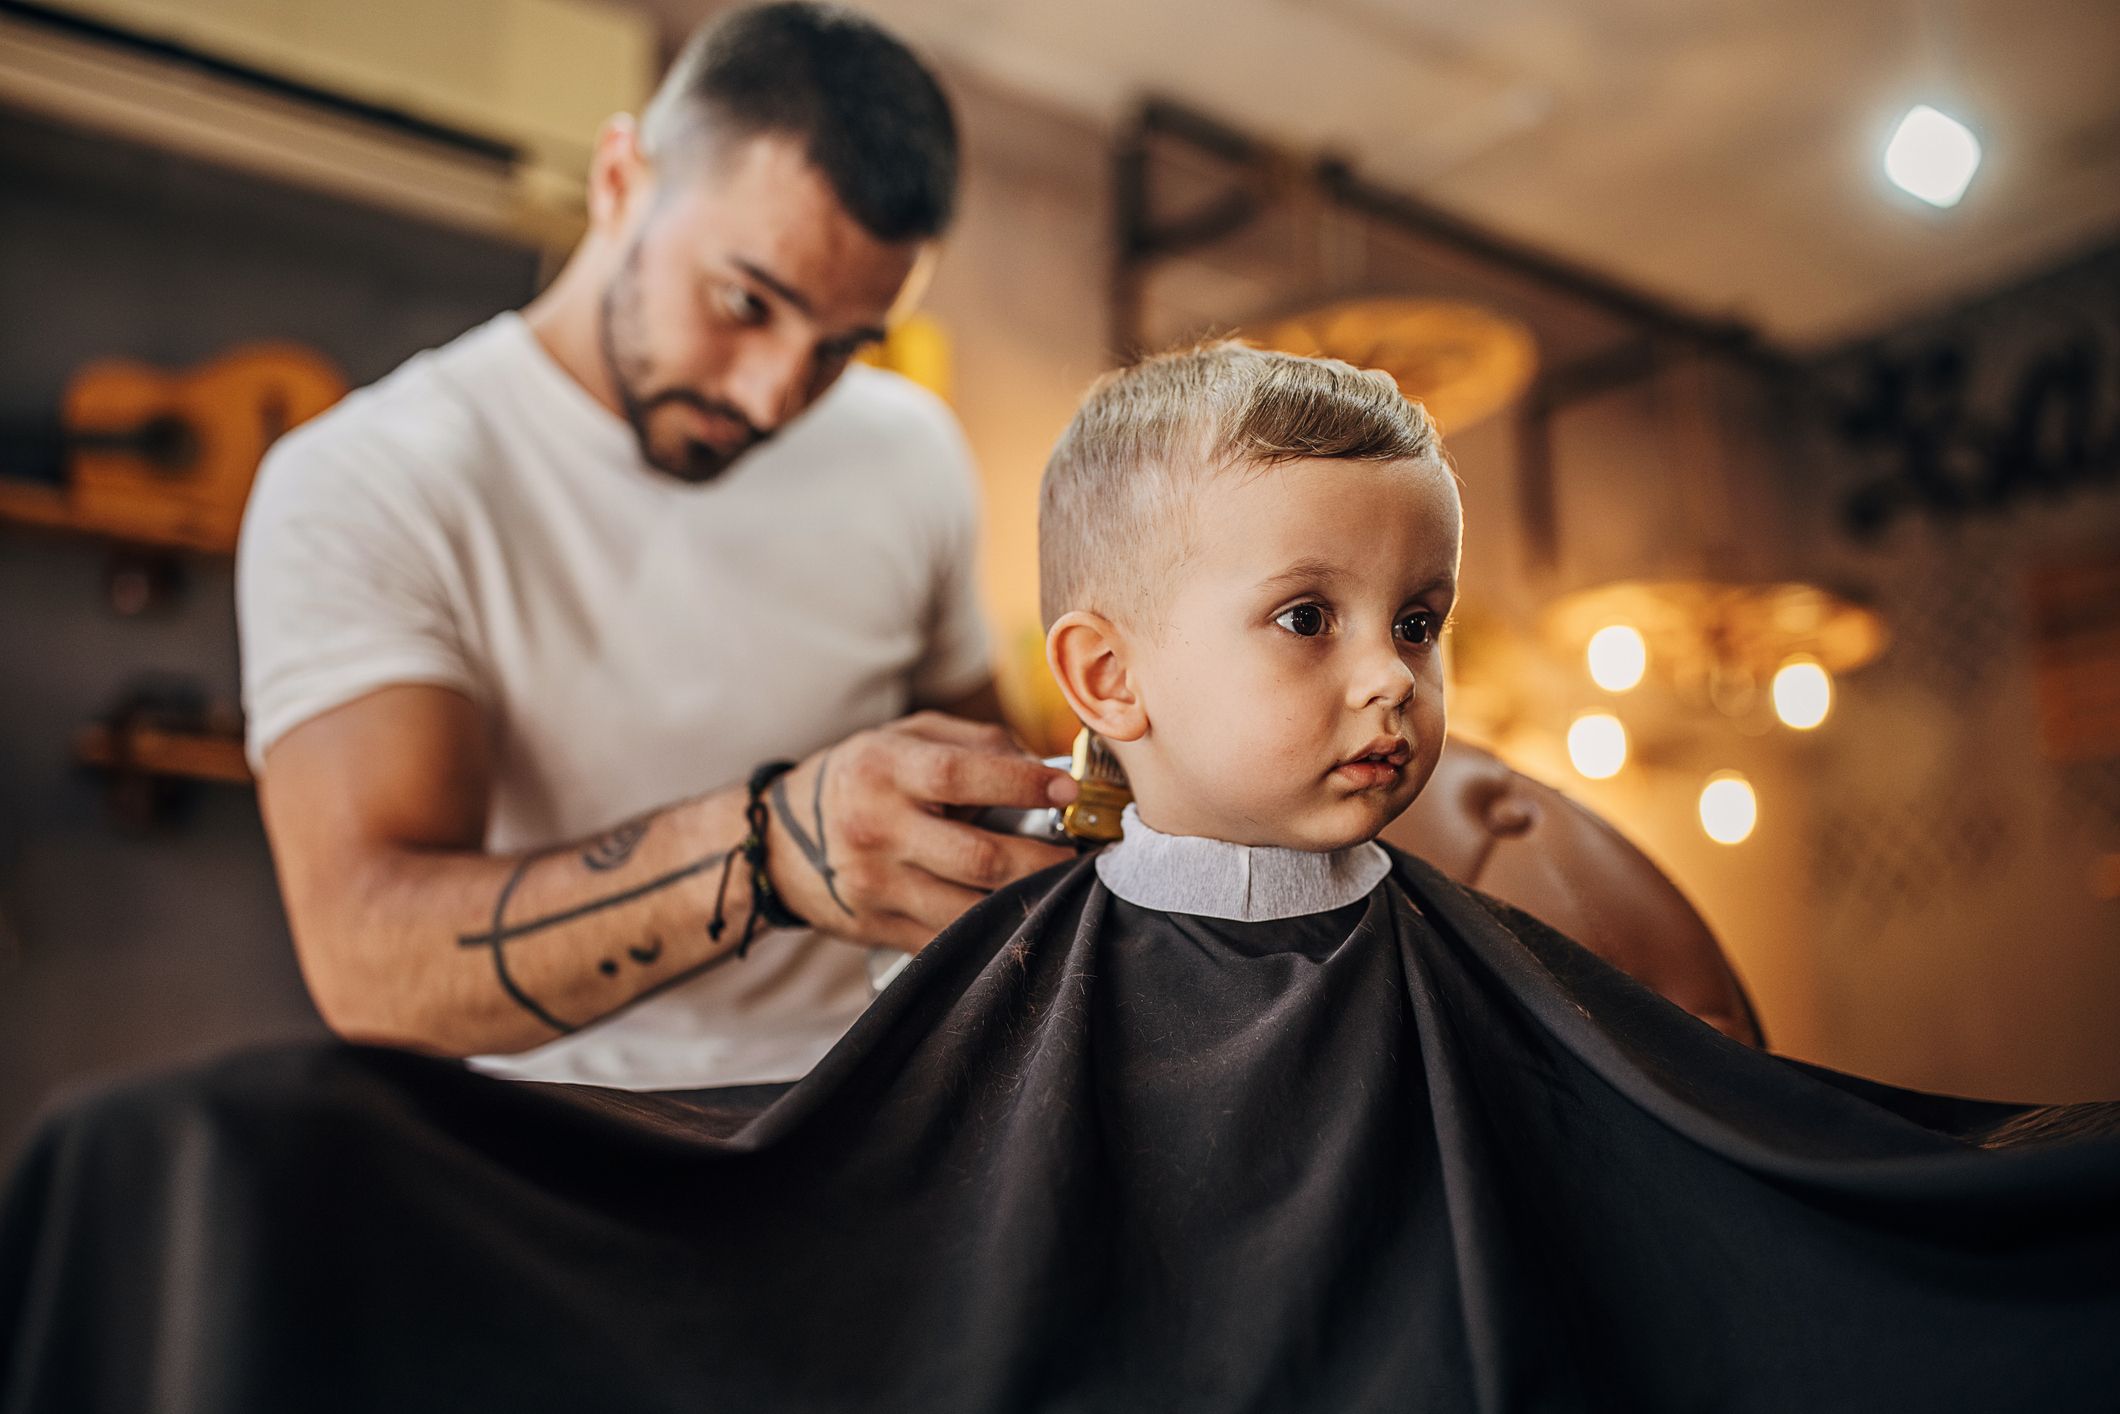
{"x":741,"y":305}
{"x":1419,"y":628}
{"x":1303,"y":620}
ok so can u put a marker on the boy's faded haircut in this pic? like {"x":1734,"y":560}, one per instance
{"x":1147,"y":439}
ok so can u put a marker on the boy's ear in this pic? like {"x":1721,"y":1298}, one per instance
{"x":1087,"y":654}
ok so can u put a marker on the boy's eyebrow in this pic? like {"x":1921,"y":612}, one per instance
{"x":1441,"y":581}
{"x":1304,"y":574}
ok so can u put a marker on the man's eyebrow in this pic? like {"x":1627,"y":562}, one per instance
{"x":866,"y":334}
{"x":774,"y":283}
{"x":853,"y":338}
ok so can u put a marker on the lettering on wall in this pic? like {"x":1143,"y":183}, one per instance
{"x":1935,"y":442}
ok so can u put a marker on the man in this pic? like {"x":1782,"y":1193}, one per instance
{"x":519,"y":621}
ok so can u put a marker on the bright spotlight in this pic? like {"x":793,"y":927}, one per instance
{"x":1803,"y":693}
{"x":1728,"y":808}
{"x":1618,"y":657}
{"x":1597,"y":745}
{"x":1932,"y":155}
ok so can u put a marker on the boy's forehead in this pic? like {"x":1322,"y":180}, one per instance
{"x":1358,"y":518}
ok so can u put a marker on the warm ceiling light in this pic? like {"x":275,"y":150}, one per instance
{"x":1597,"y":745}
{"x":1460,"y":361}
{"x":1728,"y":808}
{"x":1618,"y":657}
{"x":1698,"y":630}
{"x":1932,"y":155}
{"x":1803,"y":693}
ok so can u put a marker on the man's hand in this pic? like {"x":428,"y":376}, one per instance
{"x":861,"y":841}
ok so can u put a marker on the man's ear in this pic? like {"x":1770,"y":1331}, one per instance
{"x":619,"y":173}
{"x":1087,"y":654}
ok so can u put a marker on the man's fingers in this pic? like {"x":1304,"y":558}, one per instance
{"x":929,"y":902}
{"x":905,"y":934}
{"x":940,"y":774}
{"x":887,"y":857}
{"x":974,"y":858}
{"x":956,"y":731}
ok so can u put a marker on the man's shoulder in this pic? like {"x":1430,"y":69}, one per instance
{"x":895,"y":422}
{"x":870,"y":396}
{"x":409,"y":433}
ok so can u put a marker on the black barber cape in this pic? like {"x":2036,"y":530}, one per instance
{"x":1416,"y":1153}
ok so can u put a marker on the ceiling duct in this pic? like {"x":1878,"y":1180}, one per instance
{"x":477,"y":114}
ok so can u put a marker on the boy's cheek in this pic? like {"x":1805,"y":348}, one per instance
{"x":1287,"y":756}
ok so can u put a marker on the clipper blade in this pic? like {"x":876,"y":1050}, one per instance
{"x":1104,"y":793}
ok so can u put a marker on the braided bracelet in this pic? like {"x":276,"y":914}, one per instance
{"x":767,"y":908}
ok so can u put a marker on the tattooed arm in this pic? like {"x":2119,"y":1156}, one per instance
{"x":409,"y":934}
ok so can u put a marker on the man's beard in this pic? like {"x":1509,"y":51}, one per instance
{"x":687,"y":458}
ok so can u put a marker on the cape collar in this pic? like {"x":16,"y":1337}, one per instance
{"x":1241,"y":882}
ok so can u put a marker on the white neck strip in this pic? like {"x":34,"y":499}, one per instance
{"x":1242,"y":882}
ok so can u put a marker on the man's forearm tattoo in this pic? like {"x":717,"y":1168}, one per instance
{"x":616,"y":845}
{"x":503,"y":933}
{"x":812,"y":847}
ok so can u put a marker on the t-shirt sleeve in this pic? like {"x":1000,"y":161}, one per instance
{"x":340,"y":585}
{"x":958,"y":659}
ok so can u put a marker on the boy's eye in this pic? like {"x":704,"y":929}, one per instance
{"x":1419,"y":628}
{"x":1302,"y":620}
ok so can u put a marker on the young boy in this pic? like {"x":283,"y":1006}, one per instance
{"x":1247,"y":561}
{"x":1243,"y":1112}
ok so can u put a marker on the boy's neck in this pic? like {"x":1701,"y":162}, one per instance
{"x":1246,"y":883}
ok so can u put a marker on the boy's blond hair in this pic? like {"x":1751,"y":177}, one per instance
{"x":1147,"y":439}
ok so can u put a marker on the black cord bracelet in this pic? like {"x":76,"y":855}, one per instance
{"x":767,"y":908}
{"x":764,"y":897}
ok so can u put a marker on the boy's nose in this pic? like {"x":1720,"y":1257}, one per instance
{"x":1384,"y":680}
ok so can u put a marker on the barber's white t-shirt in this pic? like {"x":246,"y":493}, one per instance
{"x":478,"y":520}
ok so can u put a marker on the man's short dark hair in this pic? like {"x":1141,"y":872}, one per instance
{"x":870,"y":116}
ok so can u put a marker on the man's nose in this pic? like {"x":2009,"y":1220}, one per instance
{"x":770,"y":385}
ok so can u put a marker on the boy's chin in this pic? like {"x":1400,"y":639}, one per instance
{"x":1344,"y":824}
{"x":1361,"y":820}
{"x":1326,"y":841}
{"x":1315,"y":827}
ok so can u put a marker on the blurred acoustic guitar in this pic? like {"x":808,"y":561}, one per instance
{"x":162,"y":458}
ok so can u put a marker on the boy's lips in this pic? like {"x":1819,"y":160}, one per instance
{"x":1394,"y":749}
{"x":1377,"y":764}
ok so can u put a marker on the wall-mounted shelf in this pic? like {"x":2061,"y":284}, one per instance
{"x":152,"y":751}
{"x":47,"y":509}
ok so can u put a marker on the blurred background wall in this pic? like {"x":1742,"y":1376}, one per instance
{"x":1822,"y":383}
{"x":132,"y":944}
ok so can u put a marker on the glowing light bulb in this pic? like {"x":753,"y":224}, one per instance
{"x":1932,"y":155}
{"x":1803,"y":693}
{"x":1729,"y":810}
{"x":1618,"y":657}
{"x":1597,"y":745}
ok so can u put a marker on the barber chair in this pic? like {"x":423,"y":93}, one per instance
{"x":1494,"y":829}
